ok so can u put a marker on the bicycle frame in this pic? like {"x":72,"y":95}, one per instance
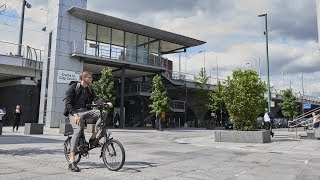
{"x":103,"y":133}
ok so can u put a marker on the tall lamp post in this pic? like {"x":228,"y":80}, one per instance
{"x":204,"y":58}
{"x":28,"y":5}
{"x":265,"y":15}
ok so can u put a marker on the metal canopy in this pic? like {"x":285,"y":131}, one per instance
{"x":124,"y":25}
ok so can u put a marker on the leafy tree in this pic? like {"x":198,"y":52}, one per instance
{"x":216,"y":101}
{"x":158,"y":97}
{"x":243,"y":95}
{"x":201,"y":94}
{"x":104,"y":86}
{"x":289,"y":108}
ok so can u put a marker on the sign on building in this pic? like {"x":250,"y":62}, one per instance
{"x":66,"y":77}
{"x":163,"y":115}
{"x":306,"y":106}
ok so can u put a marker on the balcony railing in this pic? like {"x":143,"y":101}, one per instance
{"x":138,"y":89}
{"x":177,"y":105}
{"x":33,"y":57}
{"x":117,"y":53}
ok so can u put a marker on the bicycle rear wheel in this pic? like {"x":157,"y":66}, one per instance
{"x":67,"y":147}
{"x":113,"y":155}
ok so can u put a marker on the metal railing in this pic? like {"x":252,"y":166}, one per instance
{"x":302,"y":120}
{"x":117,"y":53}
{"x":9,"y":49}
{"x":32,"y":57}
{"x":138,"y":89}
{"x":299,"y":97}
{"x":177,"y":105}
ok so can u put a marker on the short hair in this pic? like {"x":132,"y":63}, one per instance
{"x":85,"y":74}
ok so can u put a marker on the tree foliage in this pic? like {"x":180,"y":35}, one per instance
{"x":243,"y":96}
{"x":201,"y":95}
{"x":289,"y":108}
{"x":105,"y":85}
{"x":216,"y":101}
{"x":158,"y":97}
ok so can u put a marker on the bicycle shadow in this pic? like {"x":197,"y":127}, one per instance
{"x":131,"y":166}
{"x":24,"y":139}
{"x":137,"y":166}
{"x":31,"y":151}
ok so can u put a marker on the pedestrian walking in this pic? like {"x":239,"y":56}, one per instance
{"x":16,"y":118}
{"x":268,"y":121}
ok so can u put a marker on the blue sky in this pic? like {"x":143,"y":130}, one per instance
{"x":231,"y":28}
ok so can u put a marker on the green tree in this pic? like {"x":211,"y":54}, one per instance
{"x":201,"y":95}
{"x":158,"y":97}
{"x":216,"y":101}
{"x":243,"y":95}
{"x":105,"y":85}
{"x":289,"y":108}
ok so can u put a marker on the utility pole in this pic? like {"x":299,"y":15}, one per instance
{"x":302,"y":99}
{"x":265,"y":15}
{"x":24,"y":4}
{"x":259,"y":69}
{"x":282,"y":80}
{"x":217,"y":69}
{"x":179,"y":64}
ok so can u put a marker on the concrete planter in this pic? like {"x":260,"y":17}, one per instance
{"x":33,"y":128}
{"x":262,"y":136}
{"x":65,"y":128}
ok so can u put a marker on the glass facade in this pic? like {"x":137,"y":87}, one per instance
{"x":125,"y":46}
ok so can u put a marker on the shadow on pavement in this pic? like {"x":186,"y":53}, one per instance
{"x":131,"y":166}
{"x":22,"y":139}
{"x":31,"y":151}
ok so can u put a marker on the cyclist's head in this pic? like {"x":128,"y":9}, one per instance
{"x":86,"y":77}
{"x":110,"y":105}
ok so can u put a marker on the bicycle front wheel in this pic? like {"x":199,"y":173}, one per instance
{"x":67,"y":146}
{"x":113,"y":155}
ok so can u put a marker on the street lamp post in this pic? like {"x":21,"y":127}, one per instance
{"x":28,"y":5}
{"x":204,"y":58}
{"x":265,"y":15}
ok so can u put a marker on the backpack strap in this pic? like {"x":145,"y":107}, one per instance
{"x":76,"y":88}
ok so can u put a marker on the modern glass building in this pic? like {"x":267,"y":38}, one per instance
{"x":83,"y":40}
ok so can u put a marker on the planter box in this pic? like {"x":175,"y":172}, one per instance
{"x":33,"y":128}
{"x":65,"y":128}
{"x":317,"y":133}
{"x":262,"y":136}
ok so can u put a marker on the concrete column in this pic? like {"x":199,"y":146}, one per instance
{"x":65,"y":29}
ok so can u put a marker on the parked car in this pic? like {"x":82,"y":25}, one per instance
{"x":260,"y":123}
{"x":228,"y":124}
{"x":280,"y":123}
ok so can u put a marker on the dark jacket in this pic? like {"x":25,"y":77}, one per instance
{"x":16,"y":116}
{"x":73,"y":94}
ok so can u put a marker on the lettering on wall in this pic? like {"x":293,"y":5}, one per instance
{"x":66,"y":77}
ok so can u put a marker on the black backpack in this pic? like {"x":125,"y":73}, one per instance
{"x":77,"y":87}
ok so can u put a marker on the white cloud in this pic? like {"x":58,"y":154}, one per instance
{"x":232,"y":30}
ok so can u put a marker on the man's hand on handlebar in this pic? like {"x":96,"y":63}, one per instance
{"x":108,"y":104}
{"x":77,"y":119}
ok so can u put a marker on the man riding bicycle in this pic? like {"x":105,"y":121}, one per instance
{"x":79,"y":95}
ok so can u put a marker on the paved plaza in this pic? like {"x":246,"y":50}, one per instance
{"x":170,"y":154}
